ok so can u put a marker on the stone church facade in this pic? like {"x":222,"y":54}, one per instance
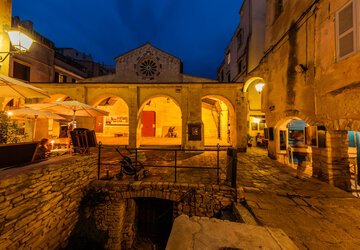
{"x":150,"y":81}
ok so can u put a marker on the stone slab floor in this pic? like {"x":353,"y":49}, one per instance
{"x":315,"y":215}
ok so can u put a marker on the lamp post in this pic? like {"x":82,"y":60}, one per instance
{"x":19,"y":41}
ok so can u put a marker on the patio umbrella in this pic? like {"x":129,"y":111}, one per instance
{"x":10,"y":87}
{"x":73,"y":108}
{"x":35,"y":114}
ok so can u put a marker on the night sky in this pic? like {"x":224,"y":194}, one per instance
{"x":196,"y":31}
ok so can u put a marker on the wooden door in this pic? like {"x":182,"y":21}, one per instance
{"x":148,"y":123}
{"x":99,"y":124}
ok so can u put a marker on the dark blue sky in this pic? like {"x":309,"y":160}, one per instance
{"x":196,"y":31}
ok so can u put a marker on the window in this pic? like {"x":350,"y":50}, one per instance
{"x":240,"y":66}
{"x":240,"y":38}
{"x":229,"y":80}
{"x":228,"y":57}
{"x":64,"y":79}
{"x":57,"y":77}
{"x":73,"y":80}
{"x":346,"y":30}
{"x":279,"y":7}
{"x":21,"y":71}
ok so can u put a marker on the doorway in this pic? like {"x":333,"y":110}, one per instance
{"x":148,"y":123}
{"x":154,"y":220}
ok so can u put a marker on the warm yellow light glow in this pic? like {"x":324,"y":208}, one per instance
{"x":20,"y":41}
{"x":256,"y":120}
{"x":52,"y":141}
{"x":259,"y":87}
{"x":9,"y":113}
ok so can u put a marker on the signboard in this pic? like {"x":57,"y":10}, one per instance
{"x":117,"y":121}
{"x":194,"y":131}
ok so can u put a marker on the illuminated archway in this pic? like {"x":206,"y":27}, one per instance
{"x":159,"y":121}
{"x":289,"y":135}
{"x":255,"y":118}
{"x":217,"y":114}
{"x":114,"y":128}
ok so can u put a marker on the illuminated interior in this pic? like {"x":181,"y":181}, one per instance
{"x":215,"y":115}
{"x":160,"y":122}
{"x":114,"y":128}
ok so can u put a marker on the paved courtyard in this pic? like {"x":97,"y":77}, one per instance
{"x":314,"y":214}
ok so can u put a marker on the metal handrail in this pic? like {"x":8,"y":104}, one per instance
{"x":175,"y":166}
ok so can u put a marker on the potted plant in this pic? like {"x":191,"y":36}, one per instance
{"x":10,"y":132}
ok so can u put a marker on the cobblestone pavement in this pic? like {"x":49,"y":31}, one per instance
{"x":315,"y":215}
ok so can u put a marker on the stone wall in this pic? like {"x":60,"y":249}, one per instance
{"x":39,"y":203}
{"x":331,"y":164}
{"x":116,"y":214}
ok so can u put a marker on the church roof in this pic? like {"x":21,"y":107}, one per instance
{"x":149,"y":44}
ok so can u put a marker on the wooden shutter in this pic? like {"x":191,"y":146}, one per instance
{"x":345,"y":31}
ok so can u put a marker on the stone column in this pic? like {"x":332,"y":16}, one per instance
{"x":133,"y":119}
{"x":331,"y":164}
{"x":241,"y":122}
{"x":193,"y":112}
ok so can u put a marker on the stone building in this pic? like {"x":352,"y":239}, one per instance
{"x":92,"y":68}
{"x":152,"y":102}
{"x":309,"y":68}
{"x":42,"y":63}
{"x":242,"y":55}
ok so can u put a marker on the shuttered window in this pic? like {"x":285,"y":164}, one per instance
{"x":346,"y":30}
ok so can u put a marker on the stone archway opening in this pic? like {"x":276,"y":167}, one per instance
{"x":291,"y":145}
{"x":114,"y":128}
{"x":154,"y":219}
{"x":159,"y":122}
{"x":217,"y":115}
{"x":255,"y":117}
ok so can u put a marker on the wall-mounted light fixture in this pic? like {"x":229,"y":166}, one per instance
{"x":19,"y":41}
{"x":256,"y":120}
{"x":259,"y":87}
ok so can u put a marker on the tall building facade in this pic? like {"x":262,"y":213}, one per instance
{"x":309,"y":68}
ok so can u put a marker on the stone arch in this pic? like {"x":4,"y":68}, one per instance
{"x":253,"y":80}
{"x":159,"y":194}
{"x":162,"y":123}
{"x":101,"y":97}
{"x":57,"y":97}
{"x":112,"y":129}
{"x":149,"y":97}
{"x":230,"y":123}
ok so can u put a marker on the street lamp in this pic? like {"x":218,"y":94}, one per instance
{"x":20,"y":41}
{"x":259,"y":87}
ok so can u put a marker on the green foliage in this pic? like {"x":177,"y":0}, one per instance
{"x":9,"y":130}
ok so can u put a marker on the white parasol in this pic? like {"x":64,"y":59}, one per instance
{"x":73,"y":108}
{"x":35,"y":114}
{"x":10,"y":87}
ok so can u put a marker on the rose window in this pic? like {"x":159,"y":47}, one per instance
{"x":148,"y":68}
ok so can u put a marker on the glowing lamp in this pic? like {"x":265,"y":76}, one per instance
{"x":19,"y":40}
{"x":256,"y":120}
{"x":52,"y":144}
{"x":259,"y":87}
{"x":9,"y":113}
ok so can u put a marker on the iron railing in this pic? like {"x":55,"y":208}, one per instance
{"x":175,"y":165}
